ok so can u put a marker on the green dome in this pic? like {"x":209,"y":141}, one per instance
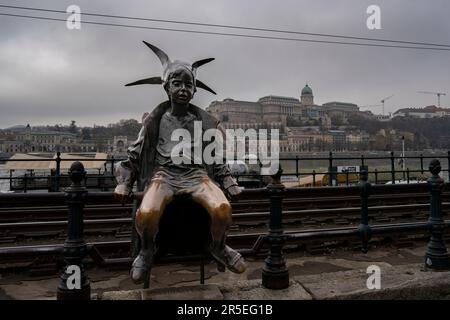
{"x":306,"y":90}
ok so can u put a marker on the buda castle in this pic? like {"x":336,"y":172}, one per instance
{"x":303,"y":125}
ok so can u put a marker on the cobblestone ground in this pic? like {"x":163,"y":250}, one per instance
{"x":21,"y":286}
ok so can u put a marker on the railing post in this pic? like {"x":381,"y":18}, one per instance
{"x":25,"y":181}
{"x":393,"y":167}
{"x":364,"y":228}
{"x":376,"y":176}
{"x":58,"y":171}
{"x":330,"y":168}
{"x":10,"y":179}
{"x":275,"y":274}
{"x":436,"y":256}
{"x":74,"y":284}
{"x":112,"y":165}
{"x":296,"y":166}
{"x":421,"y":163}
{"x":448,"y":165}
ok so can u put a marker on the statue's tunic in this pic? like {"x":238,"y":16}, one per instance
{"x":148,"y":155}
{"x":191,"y":170}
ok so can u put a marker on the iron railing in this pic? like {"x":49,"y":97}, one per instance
{"x":386,"y":172}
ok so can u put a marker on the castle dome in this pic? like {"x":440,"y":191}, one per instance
{"x":306,"y":90}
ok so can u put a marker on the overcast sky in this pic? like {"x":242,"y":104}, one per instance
{"x":49,"y":74}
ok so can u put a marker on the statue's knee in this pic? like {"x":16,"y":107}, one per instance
{"x":222,"y":213}
{"x":225,"y":208}
{"x":148,"y":212}
{"x":147,"y":218}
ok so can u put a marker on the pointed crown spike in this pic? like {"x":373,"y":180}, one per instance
{"x":163,"y":57}
{"x":171,"y":66}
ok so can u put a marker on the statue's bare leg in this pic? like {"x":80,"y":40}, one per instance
{"x":211,"y":197}
{"x":155,"y":200}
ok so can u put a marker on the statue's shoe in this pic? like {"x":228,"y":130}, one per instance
{"x":230,"y":258}
{"x":237,"y":263}
{"x":239,"y":266}
{"x":139,"y":270}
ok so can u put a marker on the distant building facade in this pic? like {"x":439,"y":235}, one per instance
{"x":423,"y":113}
{"x":303,"y":125}
{"x":28,"y":140}
{"x":340,"y":109}
{"x":120,"y":144}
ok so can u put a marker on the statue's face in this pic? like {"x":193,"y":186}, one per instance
{"x":181,"y":87}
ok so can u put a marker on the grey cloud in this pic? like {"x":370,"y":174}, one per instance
{"x":52,"y":75}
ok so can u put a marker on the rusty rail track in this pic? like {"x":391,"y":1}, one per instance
{"x":12,"y":232}
{"x":46,"y":259}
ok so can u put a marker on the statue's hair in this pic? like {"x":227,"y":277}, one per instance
{"x":175,"y":72}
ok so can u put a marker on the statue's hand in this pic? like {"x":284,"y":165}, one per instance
{"x":234,"y":191}
{"x":122,"y":193}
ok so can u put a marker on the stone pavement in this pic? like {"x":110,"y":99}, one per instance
{"x":339,"y":275}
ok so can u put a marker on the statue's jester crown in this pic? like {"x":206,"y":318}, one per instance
{"x":170,"y":67}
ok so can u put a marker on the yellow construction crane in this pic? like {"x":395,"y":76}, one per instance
{"x":439,"y":94}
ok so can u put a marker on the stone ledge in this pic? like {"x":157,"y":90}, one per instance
{"x":253,"y":290}
{"x":240,"y":290}
{"x":120,"y":295}
{"x":397,"y":282}
{"x":197,"y":292}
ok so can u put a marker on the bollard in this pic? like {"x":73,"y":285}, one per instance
{"x":275,"y":274}
{"x":436,"y":256}
{"x":74,"y":284}
{"x":364,"y":230}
